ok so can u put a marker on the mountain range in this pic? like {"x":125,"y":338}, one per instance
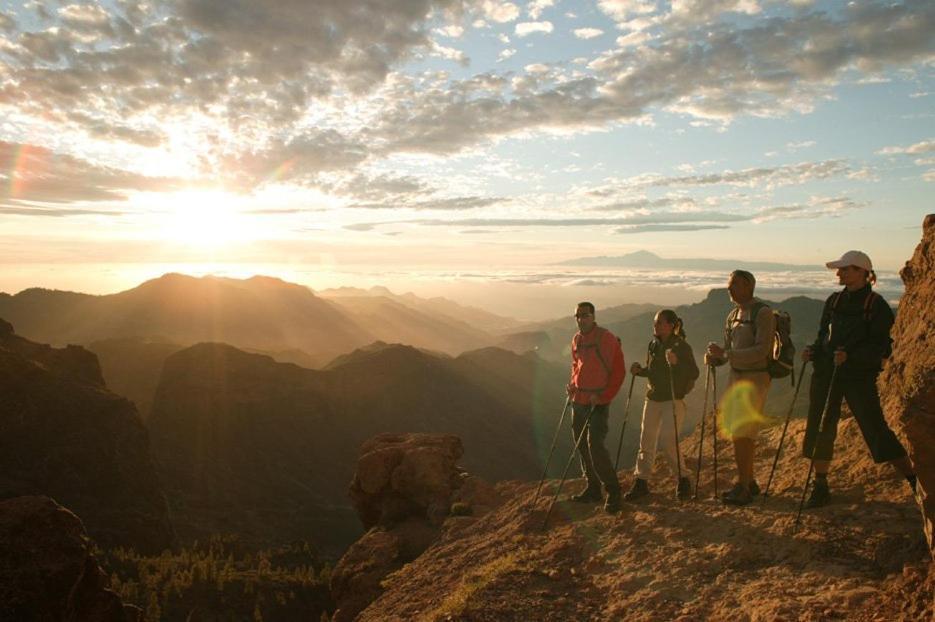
{"x":650,"y":261}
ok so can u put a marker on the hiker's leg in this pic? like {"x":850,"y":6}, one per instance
{"x":864,"y":400}
{"x":818,"y":393}
{"x":649,"y":438}
{"x":579,"y":414}
{"x":600,"y":458}
{"x":744,"y":449}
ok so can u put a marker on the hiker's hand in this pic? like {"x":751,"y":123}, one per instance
{"x":595,"y":398}
{"x":713,"y":353}
{"x":636,"y":369}
{"x":840,"y":356}
{"x":671,"y":357}
{"x":807,"y":354}
{"x":571,"y":389}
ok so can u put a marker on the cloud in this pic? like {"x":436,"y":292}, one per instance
{"x":505,"y":54}
{"x":38,"y":175}
{"x":446,"y":204}
{"x":536,"y":7}
{"x":621,"y":9}
{"x":500,"y":12}
{"x":14,"y":209}
{"x":700,"y":11}
{"x":667,"y":228}
{"x":588,"y":33}
{"x":524,"y":29}
{"x":644,"y":204}
{"x":925,"y":146}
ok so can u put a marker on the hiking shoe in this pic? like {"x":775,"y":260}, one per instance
{"x":684,"y":489}
{"x":588,"y":495}
{"x":738,"y":495}
{"x":639,"y":489}
{"x":754,"y":489}
{"x":820,"y":496}
{"x":612,"y":505}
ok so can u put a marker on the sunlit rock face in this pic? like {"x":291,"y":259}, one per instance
{"x":66,"y":436}
{"x":47,"y":571}
{"x":907,"y":385}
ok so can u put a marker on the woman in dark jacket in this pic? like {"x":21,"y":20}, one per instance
{"x":854,"y":337}
{"x":670,"y":365}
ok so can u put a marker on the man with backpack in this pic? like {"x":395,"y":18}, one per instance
{"x":597,"y":371}
{"x":749,"y":338}
{"x":853,"y":341}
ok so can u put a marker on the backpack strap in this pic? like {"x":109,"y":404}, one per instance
{"x":869,"y":301}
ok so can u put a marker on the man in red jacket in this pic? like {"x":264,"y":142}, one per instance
{"x":597,"y":371}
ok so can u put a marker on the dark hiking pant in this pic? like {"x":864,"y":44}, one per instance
{"x":596,"y":465}
{"x":864,"y":401}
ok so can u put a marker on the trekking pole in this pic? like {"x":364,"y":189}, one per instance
{"x":811,"y":458}
{"x":561,"y":482}
{"x":675,"y":428}
{"x":626,"y":415}
{"x":704,"y":415}
{"x":552,"y":450}
{"x":782,"y":437}
{"x":714,"y":424}
{"x":558,"y":429}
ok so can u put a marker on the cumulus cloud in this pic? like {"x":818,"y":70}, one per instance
{"x":588,"y":33}
{"x":925,"y":146}
{"x":536,"y":7}
{"x":620,"y":10}
{"x":524,"y":29}
{"x":500,"y":12}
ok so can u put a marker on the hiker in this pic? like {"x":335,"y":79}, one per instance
{"x":749,"y":336}
{"x":670,"y":365}
{"x":854,"y":335}
{"x":597,"y":371}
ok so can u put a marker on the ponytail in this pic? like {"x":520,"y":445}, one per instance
{"x":872,"y":277}
{"x":677,"y":328}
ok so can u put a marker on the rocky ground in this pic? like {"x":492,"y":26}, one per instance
{"x":863,"y":557}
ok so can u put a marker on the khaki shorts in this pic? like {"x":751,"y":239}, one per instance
{"x":741,"y":405}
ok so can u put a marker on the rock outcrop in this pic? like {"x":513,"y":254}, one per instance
{"x":404,"y":488}
{"x":62,"y":434}
{"x":47,"y":571}
{"x":907,"y":385}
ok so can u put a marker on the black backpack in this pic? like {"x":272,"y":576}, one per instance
{"x":781,"y":360}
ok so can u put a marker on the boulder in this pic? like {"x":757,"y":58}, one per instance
{"x":404,"y":475}
{"x":907,"y":385}
{"x":47,"y":571}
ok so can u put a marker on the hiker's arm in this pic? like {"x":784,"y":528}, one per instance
{"x":612,"y":351}
{"x":686,"y":369}
{"x":876,"y":345}
{"x":763,"y":346}
{"x":823,"y":327}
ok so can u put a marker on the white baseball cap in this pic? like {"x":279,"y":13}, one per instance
{"x":852,"y":258}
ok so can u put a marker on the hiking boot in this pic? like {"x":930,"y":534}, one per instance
{"x":738,"y":495}
{"x":612,"y":505}
{"x":820,"y":496}
{"x":639,"y":489}
{"x":754,"y":489}
{"x":591,"y":494}
{"x":684,"y":489}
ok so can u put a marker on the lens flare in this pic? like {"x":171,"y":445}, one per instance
{"x":740,"y":414}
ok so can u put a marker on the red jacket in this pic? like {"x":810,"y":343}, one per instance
{"x":592,"y":373}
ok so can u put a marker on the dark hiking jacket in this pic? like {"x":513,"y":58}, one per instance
{"x":858,"y":324}
{"x":684,"y":373}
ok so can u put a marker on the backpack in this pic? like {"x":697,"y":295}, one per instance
{"x":781,"y":360}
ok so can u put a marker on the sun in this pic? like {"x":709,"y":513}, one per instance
{"x":205,"y":219}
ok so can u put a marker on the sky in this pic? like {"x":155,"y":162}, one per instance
{"x":461,"y":147}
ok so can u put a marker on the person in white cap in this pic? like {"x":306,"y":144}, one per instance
{"x":854,"y":335}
